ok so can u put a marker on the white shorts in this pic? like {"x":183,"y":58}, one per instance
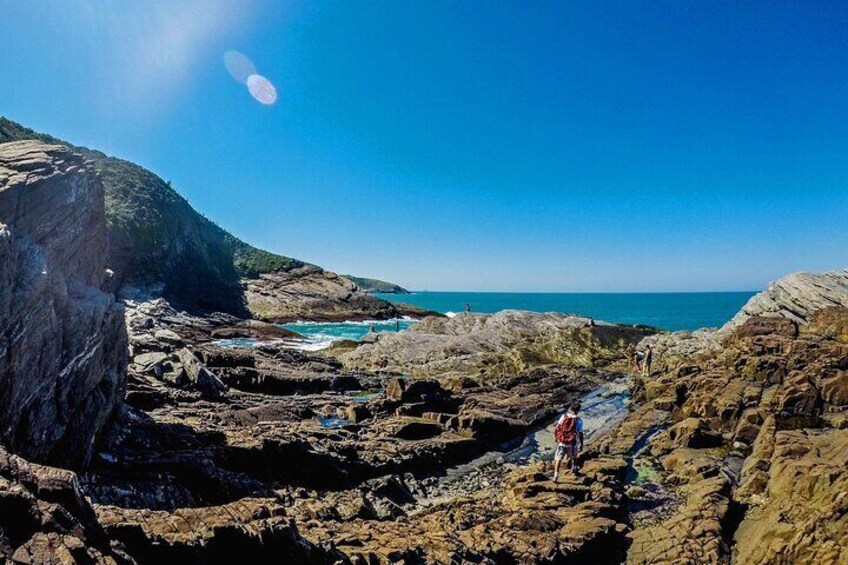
{"x":564,"y":449}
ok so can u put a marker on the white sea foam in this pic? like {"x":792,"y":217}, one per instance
{"x":320,"y":335}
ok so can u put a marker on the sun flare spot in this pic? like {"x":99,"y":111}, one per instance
{"x":261,"y":89}
{"x":239,"y":66}
{"x":242,"y":69}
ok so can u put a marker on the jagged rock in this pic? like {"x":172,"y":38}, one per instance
{"x":45,"y":518}
{"x":795,"y":297}
{"x":311,"y":293}
{"x":404,"y":390}
{"x":250,"y":530}
{"x":199,"y":376}
{"x":494,"y":344}
{"x":413,"y":429}
{"x":692,"y":535}
{"x":357,"y":413}
{"x":62,"y":340}
{"x":803,"y":516}
{"x":691,"y":432}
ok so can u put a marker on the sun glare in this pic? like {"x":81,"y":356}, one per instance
{"x":242,"y":69}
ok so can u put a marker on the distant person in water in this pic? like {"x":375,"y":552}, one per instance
{"x":569,"y":437}
{"x":649,"y":358}
{"x":371,"y":329}
{"x":397,"y":325}
{"x":467,"y":307}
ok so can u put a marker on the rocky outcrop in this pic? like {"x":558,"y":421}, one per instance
{"x":749,"y":440}
{"x":45,"y":518}
{"x":310,"y":293}
{"x":63,"y":346}
{"x":249,"y":531}
{"x":795,"y":297}
{"x":505,"y":343}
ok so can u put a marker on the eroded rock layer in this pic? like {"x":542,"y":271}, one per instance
{"x":63,"y":346}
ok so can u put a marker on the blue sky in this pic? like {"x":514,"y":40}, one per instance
{"x":514,"y":146}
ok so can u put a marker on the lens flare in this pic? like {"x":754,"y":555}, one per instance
{"x":261,"y":89}
{"x":239,"y":66}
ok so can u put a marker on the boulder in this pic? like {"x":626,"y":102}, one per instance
{"x":357,"y":413}
{"x":691,"y":432}
{"x":413,"y":428}
{"x":199,"y":376}
{"x":409,"y":390}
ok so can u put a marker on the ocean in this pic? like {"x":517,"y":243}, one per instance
{"x":669,"y":311}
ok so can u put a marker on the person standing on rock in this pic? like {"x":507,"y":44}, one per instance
{"x":649,"y":357}
{"x":635,"y":361}
{"x":569,"y":436}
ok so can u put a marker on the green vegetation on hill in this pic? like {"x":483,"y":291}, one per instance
{"x":376,"y":285}
{"x":156,"y":236}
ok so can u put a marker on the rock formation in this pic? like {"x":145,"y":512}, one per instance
{"x":45,"y":518}
{"x":310,"y":293}
{"x":796,"y":297}
{"x":63,"y":346}
{"x":756,"y":448}
{"x":496,"y":344}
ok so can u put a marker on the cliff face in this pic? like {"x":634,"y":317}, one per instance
{"x":156,"y":239}
{"x":62,"y":339}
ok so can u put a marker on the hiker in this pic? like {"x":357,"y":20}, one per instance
{"x":569,"y":436}
{"x":636,"y":361}
{"x":649,"y":357}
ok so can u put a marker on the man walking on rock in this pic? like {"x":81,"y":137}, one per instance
{"x":569,"y":436}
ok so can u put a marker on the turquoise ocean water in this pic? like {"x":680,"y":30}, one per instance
{"x":668,"y":311}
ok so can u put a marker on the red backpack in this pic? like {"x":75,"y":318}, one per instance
{"x":566,"y":432}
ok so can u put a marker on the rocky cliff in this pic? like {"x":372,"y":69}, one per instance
{"x":157,"y":240}
{"x":795,"y":297}
{"x":63,"y":345}
{"x":743,"y":434}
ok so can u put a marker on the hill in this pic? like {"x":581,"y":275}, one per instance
{"x":158,"y":240}
{"x":376,"y":285}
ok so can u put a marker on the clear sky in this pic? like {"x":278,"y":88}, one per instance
{"x":515,"y":146}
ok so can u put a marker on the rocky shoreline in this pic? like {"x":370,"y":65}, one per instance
{"x":130,"y":436}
